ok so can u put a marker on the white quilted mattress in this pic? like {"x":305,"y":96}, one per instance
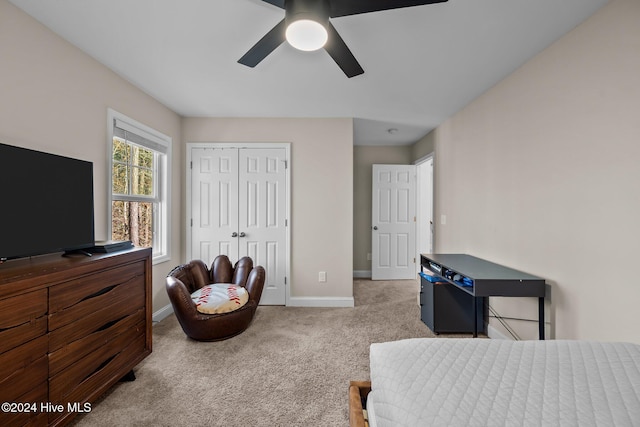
{"x":481,"y":382}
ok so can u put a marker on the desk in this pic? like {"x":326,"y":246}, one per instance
{"x":480,"y":278}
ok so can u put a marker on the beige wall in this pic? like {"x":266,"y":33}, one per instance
{"x":424,"y":147}
{"x":363,"y":159}
{"x":321,"y":198}
{"x":542,"y":173}
{"x":54,"y":98}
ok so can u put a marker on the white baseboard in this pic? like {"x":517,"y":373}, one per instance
{"x":321,"y":302}
{"x":163,"y":313}
{"x":362,"y":274}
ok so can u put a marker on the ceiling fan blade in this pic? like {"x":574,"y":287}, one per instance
{"x":338,"y":50}
{"x":279,"y":3}
{"x":265,"y":46}
{"x":355,"y":7}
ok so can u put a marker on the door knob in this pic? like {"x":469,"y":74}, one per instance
{"x":242,"y":234}
{"x":375,"y":227}
{"x":234,"y":234}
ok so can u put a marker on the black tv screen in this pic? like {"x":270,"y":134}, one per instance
{"x":47,"y":203}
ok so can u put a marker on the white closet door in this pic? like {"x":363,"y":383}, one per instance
{"x":239,"y":208}
{"x":393,"y":222}
{"x":262,"y":216}
{"x":214,"y":189}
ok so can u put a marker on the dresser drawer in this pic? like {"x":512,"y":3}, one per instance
{"x":77,"y":299}
{"x":86,"y":380}
{"x":22,"y":318}
{"x":125,"y":329}
{"x":23,"y":368}
{"x":129,"y":300}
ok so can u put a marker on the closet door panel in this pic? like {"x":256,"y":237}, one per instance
{"x":215,"y":203}
{"x":262,"y":220}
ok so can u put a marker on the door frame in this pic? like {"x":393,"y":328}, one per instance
{"x":188,"y":195}
{"x":419,"y":194}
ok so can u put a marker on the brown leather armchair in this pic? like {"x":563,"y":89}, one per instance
{"x":185,"y":279}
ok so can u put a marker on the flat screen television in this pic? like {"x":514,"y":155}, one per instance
{"x":46,"y":203}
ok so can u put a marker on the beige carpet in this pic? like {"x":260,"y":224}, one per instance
{"x":291,"y":367}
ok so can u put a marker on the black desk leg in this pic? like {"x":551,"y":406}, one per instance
{"x":475,"y":317}
{"x":478,"y":315}
{"x":541,"y":317}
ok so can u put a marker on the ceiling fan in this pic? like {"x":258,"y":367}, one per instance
{"x":306,"y":26}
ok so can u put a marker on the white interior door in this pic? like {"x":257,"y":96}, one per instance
{"x":238,"y":208}
{"x":393,"y":222}
{"x":262,"y":210}
{"x":214,"y":200}
{"x":425,"y":207}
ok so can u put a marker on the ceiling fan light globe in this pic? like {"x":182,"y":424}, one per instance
{"x":307,"y":35}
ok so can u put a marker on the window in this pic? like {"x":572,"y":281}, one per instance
{"x":139,"y":203}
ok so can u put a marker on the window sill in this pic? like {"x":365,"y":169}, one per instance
{"x":159,"y":259}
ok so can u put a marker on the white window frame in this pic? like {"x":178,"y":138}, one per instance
{"x":162,"y":193}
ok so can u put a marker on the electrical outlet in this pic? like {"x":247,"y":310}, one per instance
{"x":322,"y":276}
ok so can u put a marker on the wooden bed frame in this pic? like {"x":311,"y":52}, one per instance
{"x":357,"y":391}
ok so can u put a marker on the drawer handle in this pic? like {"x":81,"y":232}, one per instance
{"x":100,"y":292}
{"x":109,"y":324}
{"x":99,"y":368}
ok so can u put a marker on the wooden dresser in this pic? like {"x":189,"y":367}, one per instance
{"x":70,"y":328}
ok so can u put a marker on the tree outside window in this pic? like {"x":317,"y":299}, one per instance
{"x":139,"y":162}
{"x":134,"y":193}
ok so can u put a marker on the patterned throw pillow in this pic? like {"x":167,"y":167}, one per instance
{"x":219,"y":298}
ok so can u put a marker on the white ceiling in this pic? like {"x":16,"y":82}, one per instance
{"x":422,"y":64}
